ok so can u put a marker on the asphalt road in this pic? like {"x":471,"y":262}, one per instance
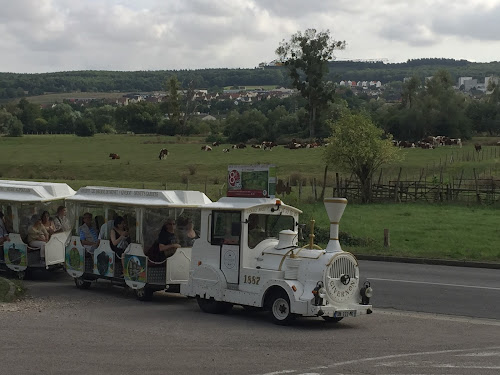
{"x":462,"y":291}
{"x":415,"y":329}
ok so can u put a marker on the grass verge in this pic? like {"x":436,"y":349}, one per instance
{"x":5,"y":286}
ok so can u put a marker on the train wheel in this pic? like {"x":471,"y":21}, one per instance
{"x":331,"y":319}
{"x":81,"y":283}
{"x":144,"y":294}
{"x":212,"y":306}
{"x":280,"y":308}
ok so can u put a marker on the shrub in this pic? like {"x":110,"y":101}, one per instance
{"x":192,"y":169}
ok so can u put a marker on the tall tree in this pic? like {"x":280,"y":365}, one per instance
{"x":357,"y":146}
{"x":174,"y":99}
{"x":307,"y":55}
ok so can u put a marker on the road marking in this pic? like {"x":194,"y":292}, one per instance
{"x":485,"y":354}
{"x":440,"y":284}
{"x":394,"y":356}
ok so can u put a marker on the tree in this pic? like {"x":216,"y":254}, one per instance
{"x":174,"y":106}
{"x":357,"y":146}
{"x":307,"y":55}
{"x":84,"y":127}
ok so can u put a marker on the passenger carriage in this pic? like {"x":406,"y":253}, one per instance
{"x":248,"y":255}
{"x":144,"y":211}
{"x":22,"y":203}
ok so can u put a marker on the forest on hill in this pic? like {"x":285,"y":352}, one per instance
{"x":16,"y":85}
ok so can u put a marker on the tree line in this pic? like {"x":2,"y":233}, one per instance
{"x":17,"y":85}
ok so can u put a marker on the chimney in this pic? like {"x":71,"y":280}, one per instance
{"x":335,"y":208}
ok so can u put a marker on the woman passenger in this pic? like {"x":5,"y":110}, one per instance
{"x":38,"y":237}
{"x":48,"y":223}
{"x":119,"y":237}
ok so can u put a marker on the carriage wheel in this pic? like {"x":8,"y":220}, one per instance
{"x":81,"y":283}
{"x":144,"y":294}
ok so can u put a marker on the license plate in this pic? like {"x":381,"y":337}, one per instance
{"x":344,"y":314}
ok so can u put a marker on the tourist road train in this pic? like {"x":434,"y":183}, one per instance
{"x":244,"y":252}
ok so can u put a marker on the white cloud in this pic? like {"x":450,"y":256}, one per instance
{"x":55,"y":35}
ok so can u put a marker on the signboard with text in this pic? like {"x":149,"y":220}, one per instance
{"x":251,"y":181}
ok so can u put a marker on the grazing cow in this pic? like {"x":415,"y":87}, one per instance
{"x":114,"y":156}
{"x":215,"y":144}
{"x":255,"y":146}
{"x":163,"y":154}
{"x":268,"y":145}
{"x":206,"y":148}
{"x":225,"y":150}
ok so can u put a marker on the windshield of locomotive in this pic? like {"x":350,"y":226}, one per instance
{"x":262,"y":226}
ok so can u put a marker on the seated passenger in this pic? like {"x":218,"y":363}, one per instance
{"x":38,"y":237}
{"x":88,"y":234}
{"x":186,"y":232}
{"x":168,"y":242}
{"x":119,"y":238}
{"x":48,"y":223}
{"x":4,"y":234}
{"x":105,"y":231}
{"x":61,"y":221}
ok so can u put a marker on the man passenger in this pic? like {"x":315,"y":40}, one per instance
{"x":88,"y":234}
{"x":61,"y":221}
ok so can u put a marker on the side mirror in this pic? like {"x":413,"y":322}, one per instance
{"x":236,"y":229}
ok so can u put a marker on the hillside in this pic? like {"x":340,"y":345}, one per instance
{"x":15,"y":85}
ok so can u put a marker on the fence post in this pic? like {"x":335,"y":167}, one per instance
{"x":387,"y":239}
{"x":338,"y":184}
{"x":396,"y":188}
{"x":478,"y":198}
{"x":324,"y":183}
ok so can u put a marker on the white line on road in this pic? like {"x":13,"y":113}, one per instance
{"x":406,"y":355}
{"x":441,"y":284}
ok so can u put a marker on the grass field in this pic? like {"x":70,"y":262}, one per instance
{"x":437,"y":231}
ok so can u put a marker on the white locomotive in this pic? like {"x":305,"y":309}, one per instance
{"x":247,"y":254}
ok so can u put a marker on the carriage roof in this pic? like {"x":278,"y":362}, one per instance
{"x":31,"y":191}
{"x":233,"y":203}
{"x":140,"y":197}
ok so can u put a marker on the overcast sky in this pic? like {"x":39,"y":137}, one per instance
{"x":62,"y":35}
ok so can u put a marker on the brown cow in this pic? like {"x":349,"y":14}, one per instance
{"x":114,"y":156}
{"x":478,"y":147}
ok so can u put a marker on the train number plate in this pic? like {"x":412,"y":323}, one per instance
{"x":344,"y":314}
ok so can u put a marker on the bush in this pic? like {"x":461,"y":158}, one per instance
{"x":108,"y":129}
{"x":15,"y":128}
{"x":211,"y":138}
{"x":192,"y":169}
{"x":295,"y":178}
{"x":322,"y":236}
{"x":84,"y":127}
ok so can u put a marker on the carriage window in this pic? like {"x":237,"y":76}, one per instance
{"x":223,"y":230}
{"x":152,"y":222}
{"x":8,"y":217}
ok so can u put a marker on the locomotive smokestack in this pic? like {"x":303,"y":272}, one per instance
{"x":335,"y":208}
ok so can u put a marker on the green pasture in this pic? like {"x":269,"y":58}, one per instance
{"x":435,"y":231}
{"x":418,"y":230}
{"x":72,"y":158}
